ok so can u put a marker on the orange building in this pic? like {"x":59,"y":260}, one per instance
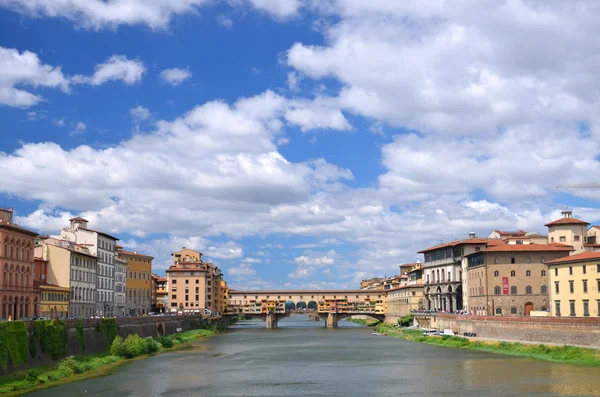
{"x":17,"y":295}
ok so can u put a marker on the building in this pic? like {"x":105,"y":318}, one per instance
{"x":54,"y":301}
{"x":120,"y":287}
{"x":193,"y":285}
{"x":224,"y":296}
{"x":139,"y":282}
{"x":568,"y":230}
{"x":415,"y":274}
{"x":408,"y":297}
{"x":593,"y":239}
{"x":575,"y":285}
{"x":103,"y":247}
{"x":162,"y":294}
{"x":507,"y":233}
{"x":73,"y":267}
{"x":18,"y":298}
{"x":443,"y":272}
{"x":529,"y":238}
{"x":510,"y":279}
{"x":372,"y":283}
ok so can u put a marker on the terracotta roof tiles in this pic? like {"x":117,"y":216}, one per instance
{"x":582,"y":257}
{"x":567,"y":221}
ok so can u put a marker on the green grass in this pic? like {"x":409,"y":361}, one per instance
{"x":81,"y":367}
{"x":558,"y":354}
{"x":368,"y":323}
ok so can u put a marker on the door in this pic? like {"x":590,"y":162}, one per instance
{"x":528,"y":308}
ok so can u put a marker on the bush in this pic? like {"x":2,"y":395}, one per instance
{"x":117,"y":348}
{"x":135,"y":346}
{"x":32,"y":375}
{"x":151,"y":345}
{"x":70,"y":365}
{"x":165,"y":341}
{"x":406,"y":321}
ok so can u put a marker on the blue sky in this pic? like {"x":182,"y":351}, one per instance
{"x":297,"y":143}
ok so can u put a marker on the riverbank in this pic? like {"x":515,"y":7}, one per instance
{"x":75,"y":368}
{"x":558,"y":354}
{"x":363,"y":321}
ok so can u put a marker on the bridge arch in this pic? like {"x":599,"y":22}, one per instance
{"x":301,"y":305}
{"x":312,"y":305}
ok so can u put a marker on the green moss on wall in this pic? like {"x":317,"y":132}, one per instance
{"x":80,"y":335}
{"x":108,"y":327}
{"x":3,"y":345}
{"x":13,"y":341}
{"x":52,"y":336}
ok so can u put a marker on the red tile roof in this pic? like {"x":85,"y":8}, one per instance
{"x":582,"y":257}
{"x":513,"y":233}
{"x":567,"y":221}
{"x":407,"y":265}
{"x":527,"y":247}
{"x":458,"y":242}
{"x":78,"y":218}
{"x":16,"y":228}
{"x":595,"y":227}
{"x":134,"y":253}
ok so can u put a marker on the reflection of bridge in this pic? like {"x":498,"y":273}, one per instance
{"x":329,"y":305}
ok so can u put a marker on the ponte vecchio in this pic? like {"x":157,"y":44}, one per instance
{"x":329,"y":305}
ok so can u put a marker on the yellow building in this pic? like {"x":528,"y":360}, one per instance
{"x":54,"y":301}
{"x":568,"y":230}
{"x":575,"y":285}
{"x":139,"y":282}
{"x":224,"y":296}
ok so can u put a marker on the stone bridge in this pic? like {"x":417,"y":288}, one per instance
{"x":330,"y":305}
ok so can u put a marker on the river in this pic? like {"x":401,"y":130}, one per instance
{"x":302,"y":358}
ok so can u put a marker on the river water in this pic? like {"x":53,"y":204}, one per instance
{"x":302,"y":358}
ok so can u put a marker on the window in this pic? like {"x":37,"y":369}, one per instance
{"x":557,"y":308}
{"x":571,"y":308}
{"x":173,"y":281}
{"x":584,"y":269}
{"x":543,"y":273}
{"x":586,"y":308}
{"x":197,"y":281}
{"x":513,"y":310}
{"x":598,"y":303}
{"x":542,"y":259}
{"x":496,"y":273}
{"x":570,"y":270}
{"x":551,"y":239}
{"x":174,"y":289}
{"x":512,"y":273}
{"x":571,"y":287}
{"x":528,"y":290}
{"x":513,"y":290}
{"x":562,"y":239}
{"x":597,"y":268}
{"x":576,"y":238}
{"x":497,"y":290}
{"x":499,"y":311}
{"x":544,"y":290}
{"x":197,"y":298}
{"x":528,"y":273}
{"x":173,"y":296}
{"x":585,"y":286}
{"x":512,"y":260}
{"x":187,"y":281}
{"x":187,"y":298}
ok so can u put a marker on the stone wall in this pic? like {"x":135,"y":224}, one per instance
{"x":569,"y":331}
{"x":95,"y":341}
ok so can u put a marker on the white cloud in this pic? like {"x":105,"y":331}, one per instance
{"x":59,"y":123}
{"x":175,"y":76}
{"x":225,"y":21}
{"x":139,"y":113}
{"x":117,"y":67}
{"x":21,"y":71}
{"x":79,"y":129}
{"x":243,"y":270}
{"x":293,"y":79}
{"x":251,"y":260}
{"x":279,"y":9}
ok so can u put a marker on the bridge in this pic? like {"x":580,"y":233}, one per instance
{"x":329,"y":305}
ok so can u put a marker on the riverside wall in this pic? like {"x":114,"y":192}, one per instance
{"x":568,"y":331}
{"x":95,"y":340}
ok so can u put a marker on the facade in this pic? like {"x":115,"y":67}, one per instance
{"x":18,"y":298}
{"x":593,"y":240}
{"x":139,"y":282}
{"x":103,"y":247}
{"x":568,"y":230}
{"x":73,"y":267}
{"x":54,"y":301}
{"x":372,"y":283}
{"x":162,"y":294}
{"x":443,"y":272}
{"x":194,"y":285}
{"x":224,"y":296}
{"x":403,"y":300}
{"x":575,"y":285}
{"x":120,"y":287}
{"x":510,"y":279}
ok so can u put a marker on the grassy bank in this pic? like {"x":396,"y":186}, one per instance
{"x":368,"y":323}
{"x":75,"y":368}
{"x":558,"y":354}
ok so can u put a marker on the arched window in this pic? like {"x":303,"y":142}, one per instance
{"x":528,"y":290}
{"x":513,"y":310}
{"x":513,"y":290}
{"x":528,"y":273}
{"x":544,"y":290}
{"x":497,"y":290}
{"x":512,"y":273}
{"x":543,"y":273}
{"x":499,"y":311}
{"x":496,"y":273}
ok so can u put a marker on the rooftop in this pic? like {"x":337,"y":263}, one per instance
{"x":475,"y":240}
{"x":582,"y":257}
{"x":527,"y":247}
{"x":567,"y":221}
{"x":134,"y":253}
{"x":16,"y":228}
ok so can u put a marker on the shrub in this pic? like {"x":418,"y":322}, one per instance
{"x":151,"y":345}
{"x":406,"y":321}
{"x":69,"y":365}
{"x":135,"y":346}
{"x":117,"y":348}
{"x":165,"y":341}
{"x":32,"y":375}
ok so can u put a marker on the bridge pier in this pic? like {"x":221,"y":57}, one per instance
{"x":332,"y":320}
{"x":271,"y":320}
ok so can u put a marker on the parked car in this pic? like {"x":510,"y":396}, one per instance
{"x":431,"y":332}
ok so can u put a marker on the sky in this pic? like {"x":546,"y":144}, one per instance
{"x":298,"y":144}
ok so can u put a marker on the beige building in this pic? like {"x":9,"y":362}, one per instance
{"x":510,"y":279}
{"x":568,"y":230}
{"x":54,"y":301}
{"x":575,"y":285}
{"x":593,"y":240}
{"x":194,"y":285}
{"x":403,"y":300}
